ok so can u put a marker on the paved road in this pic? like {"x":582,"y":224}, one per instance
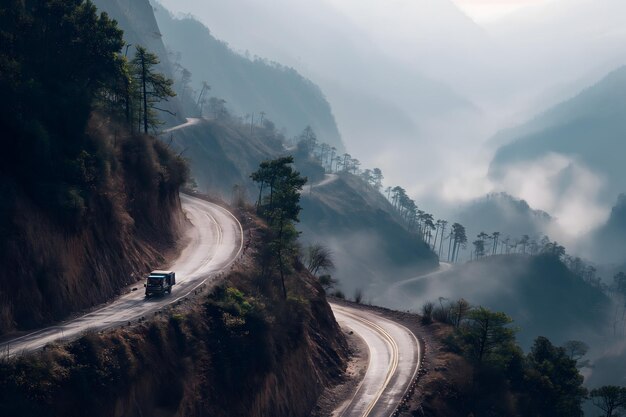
{"x":214,"y":242}
{"x":394,"y":358}
{"x":398,"y":298}
{"x":191,"y":121}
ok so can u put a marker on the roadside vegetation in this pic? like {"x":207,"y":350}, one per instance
{"x":492,"y":375}
{"x":241,"y":350}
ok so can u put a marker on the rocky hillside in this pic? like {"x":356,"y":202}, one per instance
{"x":223,"y":153}
{"x":123,"y":230}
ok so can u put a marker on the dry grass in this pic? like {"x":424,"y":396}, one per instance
{"x":132,"y":218}
{"x":240,"y":351}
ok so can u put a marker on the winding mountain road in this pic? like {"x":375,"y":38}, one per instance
{"x":394,"y":359}
{"x":214,"y":243}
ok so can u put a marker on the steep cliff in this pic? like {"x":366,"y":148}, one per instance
{"x":86,"y":206}
{"x":54,"y":264}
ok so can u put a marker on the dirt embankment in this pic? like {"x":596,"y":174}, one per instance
{"x":240,"y":351}
{"x":55,"y":264}
{"x":441,"y":379}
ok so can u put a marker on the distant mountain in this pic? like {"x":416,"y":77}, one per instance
{"x":376,"y":94}
{"x":249,"y":85}
{"x":589,"y":128}
{"x":543,"y":297}
{"x":501,"y":212}
{"x":609,"y":241}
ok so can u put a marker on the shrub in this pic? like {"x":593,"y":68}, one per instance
{"x":442,"y":314}
{"x":339,"y":294}
{"x":427,"y":313}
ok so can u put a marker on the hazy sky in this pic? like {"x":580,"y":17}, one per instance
{"x":488,"y":10}
{"x":431,"y":81}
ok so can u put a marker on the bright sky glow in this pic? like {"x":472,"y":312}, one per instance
{"x":489,"y":10}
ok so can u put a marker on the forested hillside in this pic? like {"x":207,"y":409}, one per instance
{"x":250,"y":86}
{"x":88,"y":203}
{"x":371,"y":245}
{"x":607,"y":243}
{"x":136,"y":19}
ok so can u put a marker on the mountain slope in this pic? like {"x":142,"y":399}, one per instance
{"x":249,"y":86}
{"x":538,"y":292}
{"x":370,"y":245}
{"x":588,"y":128}
{"x":240,"y":351}
{"x":223,"y":153}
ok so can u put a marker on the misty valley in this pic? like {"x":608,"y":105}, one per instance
{"x":297,"y":208}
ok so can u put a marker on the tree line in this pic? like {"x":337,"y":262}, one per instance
{"x":139,"y":89}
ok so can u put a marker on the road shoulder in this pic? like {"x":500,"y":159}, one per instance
{"x":333,"y":398}
{"x":434,"y":374}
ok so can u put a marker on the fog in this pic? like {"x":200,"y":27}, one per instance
{"x":418,"y":88}
{"x":429,"y":94}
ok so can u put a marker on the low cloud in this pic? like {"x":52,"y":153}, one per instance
{"x":561,"y":186}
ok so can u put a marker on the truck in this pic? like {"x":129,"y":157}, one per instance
{"x":160,"y":282}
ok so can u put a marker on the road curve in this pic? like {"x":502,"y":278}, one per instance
{"x":214,"y":243}
{"x":191,"y":121}
{"x":395,"y":296}
{"x":394,"y":359}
